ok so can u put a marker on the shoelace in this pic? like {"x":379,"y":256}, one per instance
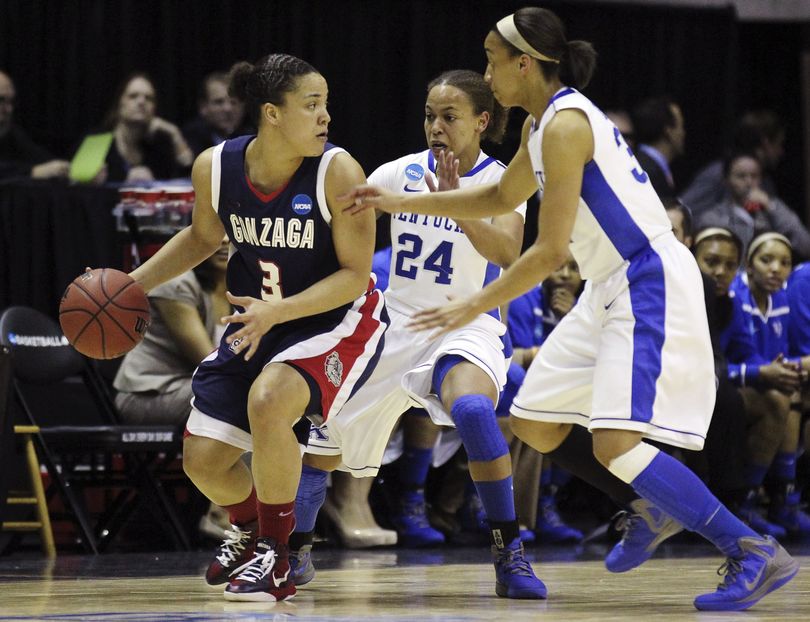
{"x":233,"y":546}
{"x":730,"y":568}
{"x":257,"y":568}
{"x":625,"y":522}
{"x":514,"y":562}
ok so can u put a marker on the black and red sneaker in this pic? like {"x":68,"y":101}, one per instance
{"x":236,"y":550}
{"x":266,"y":578}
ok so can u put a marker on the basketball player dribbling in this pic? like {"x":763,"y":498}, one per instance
{"x":307,"y":326}
{"x":632,"y":360}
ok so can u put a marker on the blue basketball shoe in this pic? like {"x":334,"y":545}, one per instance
{"x":786,"y":512}
{"x":550,"y":527}
{"x":412,"y":524}
{"x":301,"y":568}
{"x":644,"y":529}
{"x":764,"y":567}
{"x":514,"y":577}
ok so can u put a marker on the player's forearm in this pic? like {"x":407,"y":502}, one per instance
{"x":180,"y":254}
{"x":473,"y":202}
{"x":339,"y":288}
{"x":491,"y":242}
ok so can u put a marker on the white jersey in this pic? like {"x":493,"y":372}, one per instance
{"x":619,"y":212}
{"x":431,"y":256}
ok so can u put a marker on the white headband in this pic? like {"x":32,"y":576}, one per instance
{"x":509,"y":31}
{"x":766,"y":237}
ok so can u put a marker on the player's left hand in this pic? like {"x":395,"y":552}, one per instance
{"x":258,"y":317}
{"x":454,"y":315}
{"x":446,"y":173}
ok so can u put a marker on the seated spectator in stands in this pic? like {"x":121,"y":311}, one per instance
{"x":154,"y":380}
{"x":621,"y":119}
{"x":764,"y":302}
{"x":145,"y":147}
{"x":760,"y":133}
{"x":19,"y":155}
{"x":748,"y":210}
{"x":660,"y":135}
{"x":721,"y":461}
{"x":219,"y":116}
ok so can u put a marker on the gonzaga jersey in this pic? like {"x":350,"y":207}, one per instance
{"x":431,"y":256}
{"x":619,"y":213}
{"x":283,"y":241}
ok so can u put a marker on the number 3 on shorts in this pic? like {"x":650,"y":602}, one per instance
{"x":271,"y":281}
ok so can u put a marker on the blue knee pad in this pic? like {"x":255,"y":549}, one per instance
{"x":474,"y":416}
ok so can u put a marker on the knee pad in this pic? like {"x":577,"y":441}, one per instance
{"x":474,"y":416}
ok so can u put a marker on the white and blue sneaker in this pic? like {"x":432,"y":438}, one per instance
{"x":764,"y":567}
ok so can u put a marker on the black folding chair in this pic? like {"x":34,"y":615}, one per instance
{"x":80,"y":433}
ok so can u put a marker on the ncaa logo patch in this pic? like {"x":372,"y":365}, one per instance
{"x":333,"y":368}
{"x":414,"y":172}
{"x":302,"y":204}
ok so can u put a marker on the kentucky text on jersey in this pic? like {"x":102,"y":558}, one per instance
{"x":439,"y":222}
{"x":276,"y":232}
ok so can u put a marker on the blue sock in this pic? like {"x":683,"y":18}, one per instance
{"x":498,"y":499}
{"x":673,"y":488}
{"x":414,"y":465}
{"x":784,"y":466}
{"x":754,"y":474}
{"x":310,"y":497}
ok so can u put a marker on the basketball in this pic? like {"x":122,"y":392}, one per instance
{"x":104,"y":313}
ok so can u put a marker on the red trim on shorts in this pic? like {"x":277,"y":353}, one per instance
{"x":186,"y":433}
{"x":348,"y":350}
{"x":261,"y":195}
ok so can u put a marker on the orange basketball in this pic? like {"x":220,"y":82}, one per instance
{"x":104,"y":313}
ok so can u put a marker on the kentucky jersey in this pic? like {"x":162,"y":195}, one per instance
{"x":798,"y":289}
{"x":431,"y":256}
{"x":283,"y":240}
{"x":608,"y":230}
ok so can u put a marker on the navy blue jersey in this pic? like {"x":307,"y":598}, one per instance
{"x":283,"y":241}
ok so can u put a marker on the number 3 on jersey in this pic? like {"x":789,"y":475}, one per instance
{"x":438,"y":261}
{"x":271,"y":281}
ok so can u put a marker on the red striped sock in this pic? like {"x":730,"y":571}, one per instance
{"x":276,"y":520}
{"x":243,"y":512}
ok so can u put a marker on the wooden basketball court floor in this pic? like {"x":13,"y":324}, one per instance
{"x":387,"y":584}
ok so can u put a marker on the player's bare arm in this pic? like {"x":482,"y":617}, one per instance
{"x":498,"y":241}
{"x":567,"y":147}
{"x":516,"y":185}
{"x":195,"y":243}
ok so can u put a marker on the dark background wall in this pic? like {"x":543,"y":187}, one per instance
{"x":68,"y":56}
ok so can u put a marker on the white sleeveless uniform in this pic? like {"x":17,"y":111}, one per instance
{"x":431,"y":259}
{"x":635,"y":352}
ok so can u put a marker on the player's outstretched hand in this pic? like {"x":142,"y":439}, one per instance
{"x":369,"y":197}
{"x":453,"y":315}
{"x":446,"y":172}
{"x":258,"y":317}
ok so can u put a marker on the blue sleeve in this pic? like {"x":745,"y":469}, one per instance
{"x":738,"y":345}
{"x":523,"y":322}
{"x":798,"y":291}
